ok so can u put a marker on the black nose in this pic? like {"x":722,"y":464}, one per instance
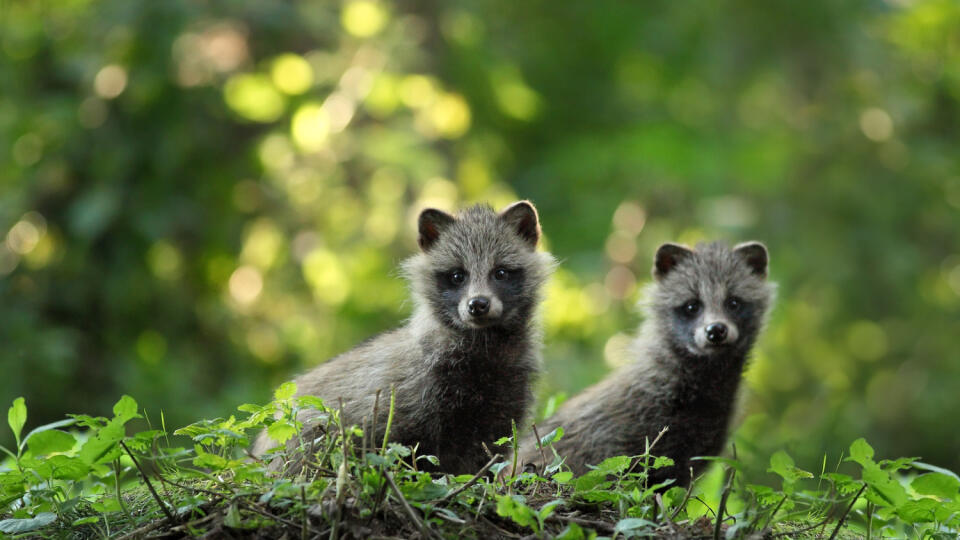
{"x":478,"y":306}
{"x":717,"y":333}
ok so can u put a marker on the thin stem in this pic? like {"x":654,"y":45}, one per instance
{"x":146,"y":480}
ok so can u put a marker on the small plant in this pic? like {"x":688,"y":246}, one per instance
{"x":88,"y":477}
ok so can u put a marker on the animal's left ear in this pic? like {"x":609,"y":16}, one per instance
{"x":755,"y":255}
{"x":522,"y":216}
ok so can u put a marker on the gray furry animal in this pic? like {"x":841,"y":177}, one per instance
{"x":703,"y":314}
{"x":464,"y":364}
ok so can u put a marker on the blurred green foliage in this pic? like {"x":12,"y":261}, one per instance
{"x":199,"y":199}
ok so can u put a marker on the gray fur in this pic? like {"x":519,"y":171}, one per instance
{"x":460,"y":378}
{"x":680,"y":380}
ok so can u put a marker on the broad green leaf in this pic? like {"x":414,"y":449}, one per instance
{"x":232,"y":518}
{"x":548,"y":508}
{"x":552,"y":437}
{"x":48,"y":427}
{"x":285,"y":391}
{"x":922,"y":511}
{"x":18,"y":526}
{"x":514,"y":507}
{"x":590,"y":480}
{"x":126,"y":408}
{"x":281,"y":431}
{"x":48,"y":442}
{"x":17,"y":417}
{"x":85,"y":521}
{"x":631,"y":526}
{"x":861,"y":452}
{"x":68,"y":467}
{"x":563,"y":477}
{"x":936,"y":484}
{"x":661,"y":462}
{"x":782,"y":464}
{"x":615,"y":465}
{"x":890,"y":492}
{"x":102,"y":447}
{"x":572,"y":532}
{"x":424,"y":489}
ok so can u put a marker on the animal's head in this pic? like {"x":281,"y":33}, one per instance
{"x":712,"y":299}
{"x":480,"y":269}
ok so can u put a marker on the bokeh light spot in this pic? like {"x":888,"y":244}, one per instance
{"x":291,"y":74}
{"x":616,"y":352}
{"x":253,"y":97}
{"x":450,"y":116}
{"x":630,"y":218}
{"x":620,"y":247}
{"x":263,"y":244}
{"x":246,"y":284}
{"x":876,"y":124}
{"x":620,"y":282}
{"x":310,"y":127}
{"x":363,"y":18}
{"x":515,"y":98}
{"x":417,"y":91}
{"x":110,"y":81}
{"x":326,"y":277}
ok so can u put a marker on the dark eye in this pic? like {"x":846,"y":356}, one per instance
{"x":734,"y":303}
{"x":691,"y":308}
{"x":501,"y":274}
{"x":457,"y":277}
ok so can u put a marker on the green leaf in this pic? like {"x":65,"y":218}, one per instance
{"x":661,"y":462}
{"x":552,"y":437}
{"x":861,"y":452}
{"x":48,"y":442}
{"x":232,"y":518}
{"x":85,"y":521}
{"x":285,"y":391}
{"x":890,"y":492}
{"x":615,"y":465}
{"x":922,"y":511}
{"x":281,"y":431}
{"x":513,"y":507}
{"x":591,"y":480}
{"x":548,"y":509}
{"x":126,"y":408}
{"x":782,"y":464}
{"x":17,"y":417}
{"x":48,"y":427}
{"x":936,"y":484}
{"x":563,"y":477}
{"x":572,"y":532}
{"x":631,"y":526}
{"x":17,"y":526}
{"x":68,"y":467}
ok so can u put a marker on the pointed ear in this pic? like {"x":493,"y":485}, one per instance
{"x":522,"y":216}
{"x":755,"y":255}
{"x":431,"y":223}
{"x":668,"y":257}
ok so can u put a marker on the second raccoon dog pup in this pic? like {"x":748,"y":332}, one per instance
{"x":463,"y":365}
{"x":704,"y":312}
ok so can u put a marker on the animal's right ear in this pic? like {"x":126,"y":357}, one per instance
{"x":668,"y":257}
{"x":431,"y":223}
{"x":522,"y":216}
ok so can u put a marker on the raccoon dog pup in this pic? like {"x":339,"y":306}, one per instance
{"x":704,"y":311}
{"x":463,"y":365}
